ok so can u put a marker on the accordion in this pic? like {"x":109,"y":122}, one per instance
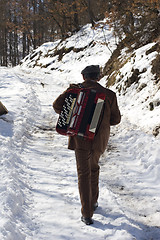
{"x":80,"y":113}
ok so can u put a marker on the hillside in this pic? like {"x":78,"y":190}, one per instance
{"x":131,"y":70}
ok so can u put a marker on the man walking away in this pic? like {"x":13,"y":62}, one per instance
{"x":88,"y":152}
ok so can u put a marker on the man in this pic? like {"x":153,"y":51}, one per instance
{"x":88,"y":152}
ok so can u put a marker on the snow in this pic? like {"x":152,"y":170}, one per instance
{"x":39,"y":197}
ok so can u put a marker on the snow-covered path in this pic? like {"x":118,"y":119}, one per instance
{"x":39,"y":194}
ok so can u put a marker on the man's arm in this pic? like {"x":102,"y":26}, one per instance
{"x":115,"y":112}
{"x":58,"y":103}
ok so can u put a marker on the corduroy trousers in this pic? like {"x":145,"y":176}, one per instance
{"x":88,"y":179}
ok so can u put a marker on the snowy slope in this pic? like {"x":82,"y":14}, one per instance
{"x":141,"y":95}
{"x":65,"y":60}
{"x":39,"y":197}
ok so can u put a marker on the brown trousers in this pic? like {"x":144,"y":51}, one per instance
{"x":88,"y":179}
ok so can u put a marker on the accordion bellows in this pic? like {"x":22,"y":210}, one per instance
{"x":80,"y":113}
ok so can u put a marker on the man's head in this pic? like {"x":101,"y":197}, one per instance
{"x":91,"y":72}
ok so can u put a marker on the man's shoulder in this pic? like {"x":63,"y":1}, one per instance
{"x":75,"y":85}
{"x":97,"y":86}
{"x":107,"y":90}
{"x":110,"y":91}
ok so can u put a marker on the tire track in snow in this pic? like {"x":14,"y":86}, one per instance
{"x":125,"y":174}
{"x":51,"y":174}
{"x":17,"y":194}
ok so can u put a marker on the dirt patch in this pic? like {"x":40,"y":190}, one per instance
{"x":156,"y":66}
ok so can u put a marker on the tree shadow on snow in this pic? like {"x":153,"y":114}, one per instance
{"x":6,"y":126}
{"x":137,"y":230}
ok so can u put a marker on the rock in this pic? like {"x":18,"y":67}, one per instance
{"x":3,"y":109}
{"x":156,"y":131}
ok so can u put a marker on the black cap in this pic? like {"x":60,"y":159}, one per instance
{"x":91,"y":69}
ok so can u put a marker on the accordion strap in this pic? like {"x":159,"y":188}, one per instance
{"x":80,"y":85}
{"x":100,"y":121}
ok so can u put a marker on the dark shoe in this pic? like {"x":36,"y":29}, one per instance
{"x":95,"y":206}
{"x":87,"y":221}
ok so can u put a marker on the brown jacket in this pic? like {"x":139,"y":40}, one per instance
{"x":111,"y":116}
